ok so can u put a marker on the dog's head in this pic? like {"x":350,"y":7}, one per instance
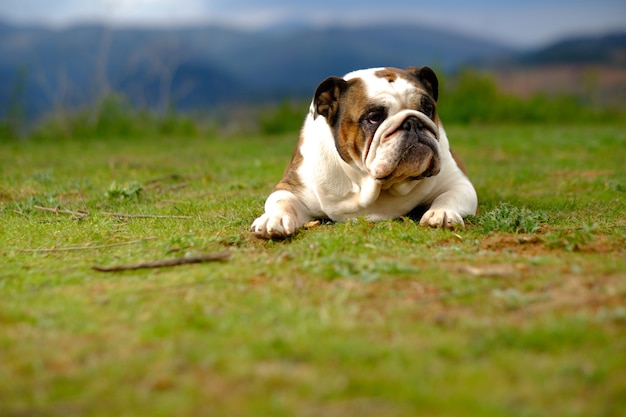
{"x":384,"y":121}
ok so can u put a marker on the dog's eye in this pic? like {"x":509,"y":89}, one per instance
{"x":428,"y":108}
{"x":375,"y":117}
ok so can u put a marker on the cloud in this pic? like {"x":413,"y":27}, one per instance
{"x":523,"y":23}
{"x":160,"y":11}
{"x":62,"y":12}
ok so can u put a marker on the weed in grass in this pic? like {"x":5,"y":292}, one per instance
{"x":506,"y":218}
{"x":130,"y":190}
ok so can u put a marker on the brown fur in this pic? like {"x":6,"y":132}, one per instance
{"x":459,"y":162}
{"x":350,"y":138}
{"x":391,"y":74}
{"x":291,"y":180}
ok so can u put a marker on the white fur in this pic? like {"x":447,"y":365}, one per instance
{"x":339,"y":191}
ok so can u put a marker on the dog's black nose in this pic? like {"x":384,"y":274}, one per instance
{"x":412,"y":124}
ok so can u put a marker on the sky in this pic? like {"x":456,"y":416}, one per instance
{"x":525,"y":23}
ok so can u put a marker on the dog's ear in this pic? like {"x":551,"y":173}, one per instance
{"x":427,"y":78}
{"x":327,"y":97}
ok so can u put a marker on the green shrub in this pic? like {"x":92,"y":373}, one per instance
{"x":509,"y":219}
{"x":474,"y":97}
{"x":130,"y":190}
{"x":113,"y":116}
{"x":285,"y":118}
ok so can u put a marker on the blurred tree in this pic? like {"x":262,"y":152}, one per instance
{"x":13,"y":125}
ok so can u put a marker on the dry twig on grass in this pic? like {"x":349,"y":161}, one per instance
{"x":78,"y":214}
{"x":211,"y":257}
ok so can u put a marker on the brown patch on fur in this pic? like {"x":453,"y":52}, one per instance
{"x":459,"y":162}
{"x":391,"y":74}
{"x":349,"y":137}
{"x":291,"y":180}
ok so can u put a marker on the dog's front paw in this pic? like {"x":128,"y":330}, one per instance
{"x":274,"y":226}
{"x":442,"y":217}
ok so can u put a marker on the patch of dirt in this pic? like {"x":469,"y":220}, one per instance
{"x":601,"y":244}
{"x":580,"y":292}
{"x":519,"y":243}
{"x":550,"y":241}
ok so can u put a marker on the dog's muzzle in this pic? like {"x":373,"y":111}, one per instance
{"x":405,"y":146}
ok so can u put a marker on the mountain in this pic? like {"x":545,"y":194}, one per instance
{"x":201,"y":67}
{"x":609,"y":49}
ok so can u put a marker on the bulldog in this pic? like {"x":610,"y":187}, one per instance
{"x":372,"y":145}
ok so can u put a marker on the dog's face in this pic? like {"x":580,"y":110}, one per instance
{"x":384,"y":121}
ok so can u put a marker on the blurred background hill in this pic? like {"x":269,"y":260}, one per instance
{"x":195,"y":68}
{"x":192,"y":68}
{"x":200,"y":67}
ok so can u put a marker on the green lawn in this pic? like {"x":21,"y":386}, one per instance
{"x":523,"y":313}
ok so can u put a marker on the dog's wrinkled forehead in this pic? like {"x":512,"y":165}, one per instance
{"x":389,"y":86}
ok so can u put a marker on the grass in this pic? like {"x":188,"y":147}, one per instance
{"x":523,"y":313}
